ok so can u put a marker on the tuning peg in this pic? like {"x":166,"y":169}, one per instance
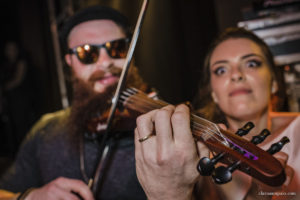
{"x":206,"y":166}
{"x":278,"y":146}
{"x":261,"y":137}
{"x":223,"y":174}
{"x":245,"y":130}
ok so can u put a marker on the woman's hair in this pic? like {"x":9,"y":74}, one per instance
{"x":204,"y":101}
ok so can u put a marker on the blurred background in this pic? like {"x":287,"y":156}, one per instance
{"x":169,"y":54}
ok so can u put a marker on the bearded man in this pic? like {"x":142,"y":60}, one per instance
{"x":61,"y":153}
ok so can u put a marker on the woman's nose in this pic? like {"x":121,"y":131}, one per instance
{"x":237,"y":74}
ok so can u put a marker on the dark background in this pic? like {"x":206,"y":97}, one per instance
{"x":169,"y":53}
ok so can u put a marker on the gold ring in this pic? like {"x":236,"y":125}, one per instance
{"x":146,"y":137}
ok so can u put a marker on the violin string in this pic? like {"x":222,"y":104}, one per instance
{"x":154,"y":104}
{"x":200,"y":122}
{"x":194,"y":117}
{"x":144,"y":101}
{"x":211,"y":126}
{"x":133,"y":96}
{"x":208,"y":132}
{"x":143,"y":105}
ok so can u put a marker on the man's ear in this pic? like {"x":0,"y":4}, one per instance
{"x":214,"y":97}
{"x":68,"y":59}
{"x":274,"y":88}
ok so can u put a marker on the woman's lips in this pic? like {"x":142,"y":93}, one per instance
{"x":239,"y":92}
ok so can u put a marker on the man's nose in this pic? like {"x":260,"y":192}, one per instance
{"x":104,"y":60}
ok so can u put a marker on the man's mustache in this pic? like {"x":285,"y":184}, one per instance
{"x":100,"y":74}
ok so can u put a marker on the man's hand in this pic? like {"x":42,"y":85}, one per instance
{"x":166,"y":162}
{"x":62,"y":188}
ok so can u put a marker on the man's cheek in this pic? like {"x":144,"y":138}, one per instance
{"x":84,"y":73}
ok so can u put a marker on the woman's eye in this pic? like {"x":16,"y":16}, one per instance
{"x":219,"y":71}
{"x":253,"y":63}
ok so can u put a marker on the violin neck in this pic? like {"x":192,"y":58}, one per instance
{"x":140,"y":102}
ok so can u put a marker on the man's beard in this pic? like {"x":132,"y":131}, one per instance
{"x":87,"y":104}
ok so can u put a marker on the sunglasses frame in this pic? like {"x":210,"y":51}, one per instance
{"x":98,"y":46}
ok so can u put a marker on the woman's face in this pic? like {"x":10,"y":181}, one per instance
{"x":240,"y":79}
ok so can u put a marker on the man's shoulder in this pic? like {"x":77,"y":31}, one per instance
{"x":50,"y":121}
{"x":54,"y":116}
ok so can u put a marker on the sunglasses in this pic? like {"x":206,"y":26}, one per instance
{"x":89,"y":53}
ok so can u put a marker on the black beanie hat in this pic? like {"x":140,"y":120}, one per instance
{"x":92,"y":13}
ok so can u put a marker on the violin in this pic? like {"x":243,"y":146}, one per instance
{"x":124,"y":120}
{"x":228,"y":148}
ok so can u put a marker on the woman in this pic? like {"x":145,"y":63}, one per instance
{"x":241,"y":84}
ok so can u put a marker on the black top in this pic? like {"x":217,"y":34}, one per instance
{"x":48,"y":153}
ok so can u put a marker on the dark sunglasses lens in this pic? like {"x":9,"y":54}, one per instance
{"x":87,"y":54}
{"x":117,"y":49}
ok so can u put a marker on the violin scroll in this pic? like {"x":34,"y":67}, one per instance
{"x":223,"y":174}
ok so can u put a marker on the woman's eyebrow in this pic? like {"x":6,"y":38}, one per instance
{"x":243,"y":57}
{"x":219,"y":62}
{"x":250,"y":55}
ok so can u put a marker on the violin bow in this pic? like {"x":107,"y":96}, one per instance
{"x":103,"y":146}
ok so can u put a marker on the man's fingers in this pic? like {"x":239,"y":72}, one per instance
{"x":144,"y":134}
{"x":289,"y":172}
{"x":64,"y":194}
{"x":145,"y":124}
{"x":76,"y":186}
{"x":203,"y":150}
{"x":138,"y":145}
{"x":282,"y":157}
{"x":222,"y":126}
{"x":163,"y":128}
{"x":181,"y":125}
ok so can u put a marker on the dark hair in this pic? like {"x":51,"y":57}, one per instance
{"x":204,"y":100}
{"x":93,"y":13}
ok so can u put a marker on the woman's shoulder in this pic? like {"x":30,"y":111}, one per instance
{"x":281,"y":121}
{"x":291,"y":127}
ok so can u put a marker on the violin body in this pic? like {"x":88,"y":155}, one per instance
{"x":124,"y":120}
